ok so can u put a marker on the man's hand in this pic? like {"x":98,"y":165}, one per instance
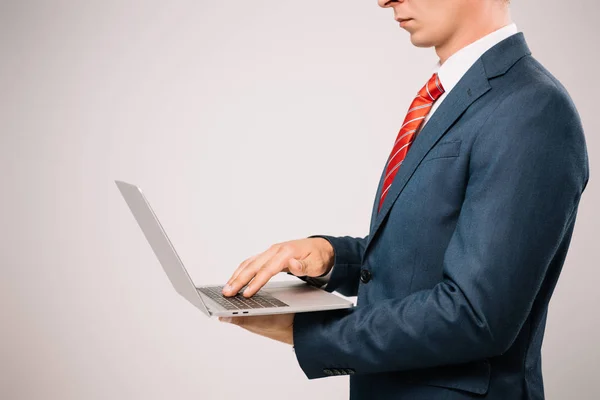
{"x":277,"y":327}
{"x":304,"y":257}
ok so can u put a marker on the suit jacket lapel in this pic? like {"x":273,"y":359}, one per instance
{"x":473,"y":85}
{"x":377,"y":195}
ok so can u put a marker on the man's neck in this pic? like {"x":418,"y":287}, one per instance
{"x":467,"y":36}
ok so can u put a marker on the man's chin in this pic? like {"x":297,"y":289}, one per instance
{"x":419,"y":41}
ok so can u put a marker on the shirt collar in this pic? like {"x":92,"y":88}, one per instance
{"x":459,"y":63}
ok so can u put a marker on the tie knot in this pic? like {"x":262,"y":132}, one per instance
{"x":433,"y":89}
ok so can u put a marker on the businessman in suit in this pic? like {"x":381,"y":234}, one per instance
{"x":470,"y":227}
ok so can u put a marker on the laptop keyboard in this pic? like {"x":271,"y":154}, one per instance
{"x":238,"y":302}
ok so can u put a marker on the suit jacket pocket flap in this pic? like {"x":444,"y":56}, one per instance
{"x":472,"y":377}
{"x":444,"y":150}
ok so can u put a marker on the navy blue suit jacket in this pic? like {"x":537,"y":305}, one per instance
{"x":454,"y":278}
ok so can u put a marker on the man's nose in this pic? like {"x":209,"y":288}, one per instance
{"x":388,"y":3}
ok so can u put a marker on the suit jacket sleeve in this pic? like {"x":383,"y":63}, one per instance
{"x":528,"y":168}
{"x":345,"y":272}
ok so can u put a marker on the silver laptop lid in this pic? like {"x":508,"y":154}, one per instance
{"x":160,"y":243}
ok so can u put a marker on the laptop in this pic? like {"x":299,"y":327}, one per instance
{"x":273,"y":298}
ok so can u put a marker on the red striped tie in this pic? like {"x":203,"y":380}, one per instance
{"x":416,"y":114}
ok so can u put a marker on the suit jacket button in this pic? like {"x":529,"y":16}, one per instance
{"x":327,"y":372}
{"x":365,"y":275}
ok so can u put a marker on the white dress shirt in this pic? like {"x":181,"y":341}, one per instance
{"x":451,"y":71}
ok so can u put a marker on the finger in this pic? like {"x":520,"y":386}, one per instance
{"x":270,"y":269}
{"x":242,"y":321}
{"x":232,"y":320}
{"x":241,"y":267}
{"x":247,"y":273}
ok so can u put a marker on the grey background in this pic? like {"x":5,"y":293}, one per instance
{"x":247,"y":123}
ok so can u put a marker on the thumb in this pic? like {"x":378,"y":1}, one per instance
{"x":298,"y":267}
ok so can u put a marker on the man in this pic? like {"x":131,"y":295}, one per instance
{"x":470,"y":227}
